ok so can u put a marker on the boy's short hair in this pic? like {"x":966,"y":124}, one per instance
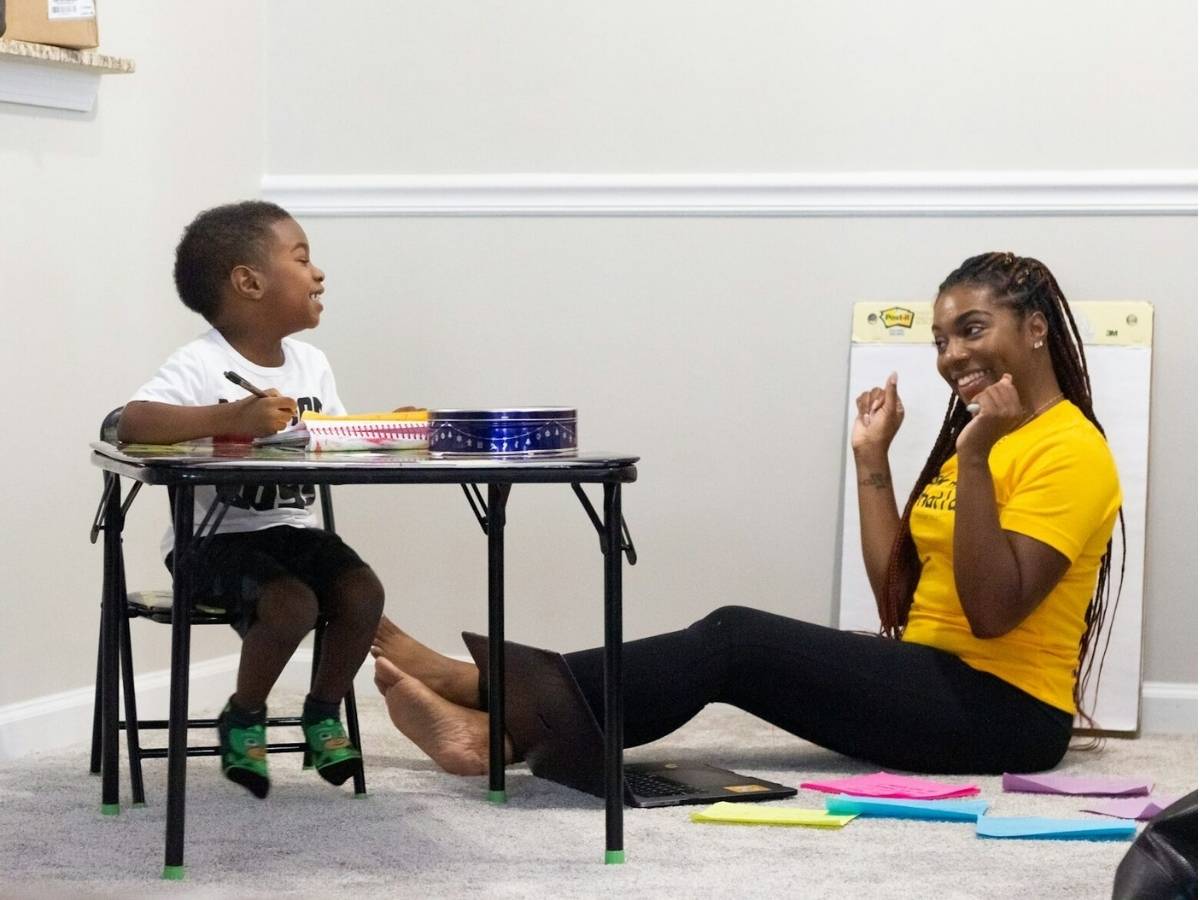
{"x":216,"y":241}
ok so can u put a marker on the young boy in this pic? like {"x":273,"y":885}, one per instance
{"x":247,"y":269}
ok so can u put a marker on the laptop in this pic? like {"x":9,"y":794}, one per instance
{"x":553,"y":729}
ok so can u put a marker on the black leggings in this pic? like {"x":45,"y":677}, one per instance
{"x":894,"y":704}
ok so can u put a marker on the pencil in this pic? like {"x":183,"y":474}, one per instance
{"x":243,"y":383}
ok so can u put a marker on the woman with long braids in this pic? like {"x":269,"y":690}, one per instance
{"x":992,"y":584}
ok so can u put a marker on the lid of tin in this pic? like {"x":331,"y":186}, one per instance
{"x":544,"y":413}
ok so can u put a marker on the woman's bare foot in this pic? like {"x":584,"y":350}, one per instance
{"x":452,"y":679}
{"x":454,"y":737}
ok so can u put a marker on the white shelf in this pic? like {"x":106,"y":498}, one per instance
{"x":40,"y":75}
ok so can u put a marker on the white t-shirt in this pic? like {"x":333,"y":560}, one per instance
{"x":194,"y":375}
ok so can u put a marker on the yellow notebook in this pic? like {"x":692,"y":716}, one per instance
{"x":407,"y":430}
{"x":753,"y":814}
{"x":400,"y":430}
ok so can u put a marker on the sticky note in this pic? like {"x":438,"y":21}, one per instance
{"x":900,"y":787}
{"x":1053,"y":829}
{"x":724,"y":813}
{"x":1049,"y":783}
{"x":1140,"y":808}
{"x":933,"y":810}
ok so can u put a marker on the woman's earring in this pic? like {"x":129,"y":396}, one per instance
{"x":1037,"y":345}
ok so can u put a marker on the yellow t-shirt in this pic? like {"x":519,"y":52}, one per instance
{"x":1055,"y":482}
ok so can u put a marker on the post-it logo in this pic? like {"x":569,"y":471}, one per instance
{"x":897,"y":317}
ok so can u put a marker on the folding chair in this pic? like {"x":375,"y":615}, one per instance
{"x":157,"y":607}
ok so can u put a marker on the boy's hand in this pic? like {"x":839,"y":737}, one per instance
{"x":262,"y":416}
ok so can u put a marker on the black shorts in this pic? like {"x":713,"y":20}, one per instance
{"x":236,"y":565}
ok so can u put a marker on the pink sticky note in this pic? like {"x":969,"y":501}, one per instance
{"x":885,"y":784}
{"x":1083,"y":787}
{"x":1140,"y":808}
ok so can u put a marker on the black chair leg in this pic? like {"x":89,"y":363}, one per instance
{"x":132,"y":737}
{"x":360,"y":778}
{"x":94,"y":768}
{"x":318,"y":638}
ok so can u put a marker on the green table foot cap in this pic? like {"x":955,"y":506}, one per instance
{"x":172,"y":873}
{"x":110,"y":809}
{"x":141,"y":805}
{"x":362,"y":796}
{"x":614,"y":857}
{"x":497,"y":796}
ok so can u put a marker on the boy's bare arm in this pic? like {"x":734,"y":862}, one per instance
{"x":147,"y":422}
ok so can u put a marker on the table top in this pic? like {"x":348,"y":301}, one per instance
{"x":207,"y":463}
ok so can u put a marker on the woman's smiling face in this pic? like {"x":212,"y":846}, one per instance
{"x":979,"y":340}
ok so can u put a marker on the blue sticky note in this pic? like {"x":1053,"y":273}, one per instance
{"x":1054,"y":829}
{"x":882,"y":807}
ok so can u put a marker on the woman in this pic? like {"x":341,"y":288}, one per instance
{"x":991,"y":585}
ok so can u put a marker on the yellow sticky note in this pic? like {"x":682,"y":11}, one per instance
{"x":754,"y":814}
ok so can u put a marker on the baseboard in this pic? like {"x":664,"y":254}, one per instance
{"x":1168,"y":707}
{"x":61,"y":720}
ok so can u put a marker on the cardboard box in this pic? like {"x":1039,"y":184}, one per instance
{"x":60,"y":23}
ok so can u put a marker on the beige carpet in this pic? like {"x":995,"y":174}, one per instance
{"x":424,"y":834}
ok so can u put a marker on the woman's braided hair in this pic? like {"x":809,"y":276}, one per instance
{"x":1024,"y":285}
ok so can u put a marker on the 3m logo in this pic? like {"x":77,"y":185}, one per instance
{"x":897,"y":317}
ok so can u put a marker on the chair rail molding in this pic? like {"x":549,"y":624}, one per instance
{"x":1107,"y":192}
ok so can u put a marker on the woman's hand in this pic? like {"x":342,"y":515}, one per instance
{"x":1000,"y":411}
{"x":880,"y":414}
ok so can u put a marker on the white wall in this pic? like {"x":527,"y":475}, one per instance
{"x":767,"y":85}
{"x":681,"y":338}
{"x":91,"y":206}
{"x":677,"y":338}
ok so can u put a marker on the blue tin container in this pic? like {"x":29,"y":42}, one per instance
{"x":527,"y":431}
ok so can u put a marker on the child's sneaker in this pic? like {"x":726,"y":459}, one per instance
{"x":244,"y":750}
{"x":333,"y":756}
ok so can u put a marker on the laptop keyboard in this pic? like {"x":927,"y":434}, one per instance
{"x":644,"y":785}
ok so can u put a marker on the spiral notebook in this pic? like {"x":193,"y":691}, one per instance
{"x":406,"y":430}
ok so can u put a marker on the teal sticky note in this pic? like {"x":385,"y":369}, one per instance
{"x":1033,"y":827}
{"x":932,"y":810}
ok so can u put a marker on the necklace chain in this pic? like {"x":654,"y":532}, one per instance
{"x":1041,"y":409}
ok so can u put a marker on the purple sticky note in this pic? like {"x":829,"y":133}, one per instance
{"x":1140,"y":808}
{"x":1083,"y":787}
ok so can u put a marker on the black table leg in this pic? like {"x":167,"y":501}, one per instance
{"x":614,"y":712}
{"x":112,"y":608}
{"x":181,"y":633}
{"x":497,"y":498}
